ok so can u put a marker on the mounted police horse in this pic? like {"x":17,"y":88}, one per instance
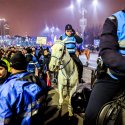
{"x":85,"y":53}
{"x":67,"y":71}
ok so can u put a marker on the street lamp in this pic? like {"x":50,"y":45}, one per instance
{"x":83,"y":23}
{"x":79,"y":1}
{"x":71,"y":7}
{"x":2,"y":27}
{"x":95,"y":3}
{"x":83,"y":19}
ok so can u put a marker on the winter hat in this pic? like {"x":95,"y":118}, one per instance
{"x":29,"y":50}
{"x":68,"y":27}
{"x":3,"y":64}
{"x":18,"y":61}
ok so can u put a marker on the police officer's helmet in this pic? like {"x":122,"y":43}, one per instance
{"x":68,"y":27}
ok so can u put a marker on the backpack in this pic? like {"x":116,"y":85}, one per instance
{"x":38,"y":101}
{"x":113,"y":112}
{"x":35,"y":79}
{"x":80,"y":97}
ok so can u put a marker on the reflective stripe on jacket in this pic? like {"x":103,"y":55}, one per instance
{"x":121,"y":31}
{"x":70,"y":43}
{"x":19,"y":101}
{"x":120,"y":16}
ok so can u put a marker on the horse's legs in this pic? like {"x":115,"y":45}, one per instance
{"x":69,"y":104}
{"x":60,"y":88}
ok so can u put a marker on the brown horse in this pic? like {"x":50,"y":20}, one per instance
{"x":85,"y":52}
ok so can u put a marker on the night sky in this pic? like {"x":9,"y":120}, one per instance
{"x":30,"y":16}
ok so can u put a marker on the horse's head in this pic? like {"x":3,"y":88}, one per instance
{"x":58,"y":52}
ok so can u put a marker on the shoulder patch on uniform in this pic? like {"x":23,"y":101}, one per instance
{"x":111,"y":17}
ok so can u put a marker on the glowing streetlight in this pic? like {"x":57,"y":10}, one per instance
{"x":71,"y":7}
{"x":57,"y":29}
{"x":52,"y":31}
{"x":79,"y":1}
{"x":95,"y":3}
{"x":46,"y":29}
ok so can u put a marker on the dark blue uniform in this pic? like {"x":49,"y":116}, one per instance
{"x":71,"y":47}
{"x":112,"y":50}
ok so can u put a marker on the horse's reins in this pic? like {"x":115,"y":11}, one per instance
{"x":60,"y":59}
{"x":64,"y":65}
{"x":68,"y":77}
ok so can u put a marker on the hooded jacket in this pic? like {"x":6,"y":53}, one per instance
{"x":20,"y":101}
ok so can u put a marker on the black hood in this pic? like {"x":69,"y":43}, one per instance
{"x":123,"y":11}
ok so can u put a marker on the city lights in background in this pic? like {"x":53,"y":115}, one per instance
{"x":97,"y":7}
{"x":95,"y":3}
{"x":71,"y":6}
{"x":2,"y":19}
{"x":52,"y":29}
{"x":46,"y":29}
{"x":52,"y":32}
{"x":79,"y":2}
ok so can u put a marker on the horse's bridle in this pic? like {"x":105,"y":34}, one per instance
{"x":61,"y":57}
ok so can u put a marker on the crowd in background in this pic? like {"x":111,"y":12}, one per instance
{"x":37,"y":58}
{"x":24,"y":81}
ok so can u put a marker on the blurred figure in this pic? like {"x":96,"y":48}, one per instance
{"x":40,"y":53}
{"x":45,"y":66}
{"x":24,"y":51}
{"x":33,"y":65}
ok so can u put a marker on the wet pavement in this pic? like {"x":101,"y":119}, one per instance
{"x":53,"y":116}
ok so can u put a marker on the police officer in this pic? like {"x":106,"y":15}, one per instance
{"x":70,"y":44}
{"x":112,"y":51}
{"x":20,"y":100}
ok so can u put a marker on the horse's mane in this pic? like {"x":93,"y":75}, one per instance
{"x":59,"y":42}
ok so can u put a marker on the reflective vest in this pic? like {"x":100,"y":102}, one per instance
{"x":120,"y":16}
{"x":19,"y":100}
{"x":7,"y":63}
{"x":70,"y":43}
{"x":121,"y":31}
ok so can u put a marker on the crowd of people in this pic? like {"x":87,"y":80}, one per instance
{"x":25,"y":75}
{"x":23,"y":79}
